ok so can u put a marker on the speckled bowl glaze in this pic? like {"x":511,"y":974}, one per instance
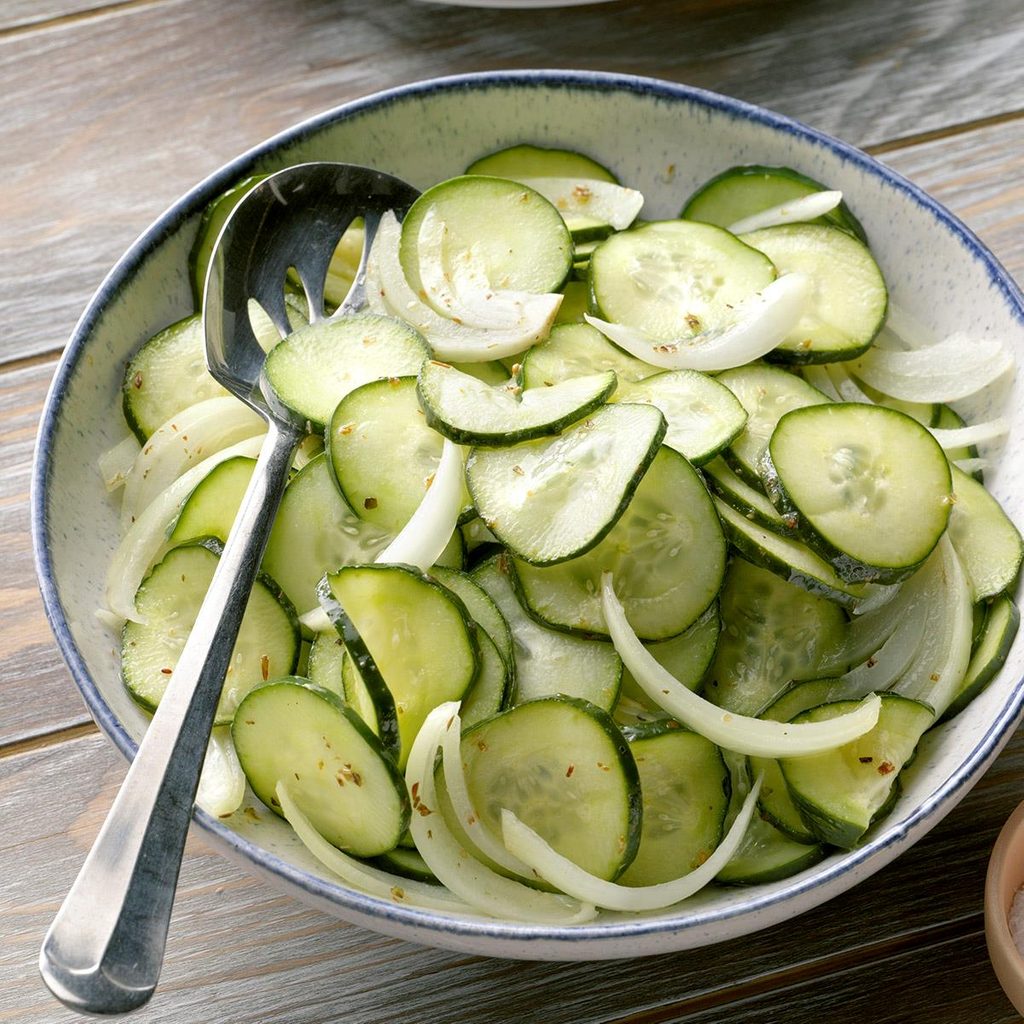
{"x":663,"y":139}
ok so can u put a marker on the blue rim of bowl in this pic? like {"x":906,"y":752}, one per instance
{"x":835,"y":874}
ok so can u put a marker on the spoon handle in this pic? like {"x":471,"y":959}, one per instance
{"x":104,"y":950}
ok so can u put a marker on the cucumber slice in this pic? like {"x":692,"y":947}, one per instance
{"x":685,"y":787}
{"x":492,"y":690}
{"x":407,"y":635}
{"x":667,"y":554}
{"x":519,"y":236}
{"x":335,"y":769}
{"x":548,"y":662}
{"x":210,"y":509}
{"x":312,"y":370}
{"x":382,"y":452}
{"x":407,"y":864}
{"x":574,"y":303}
{"x":841,"y":792}
{"x":527,"y":160}
{"x":315,"y":532}
{"x":999,"y":628}
{"x":772,"y":633}
{"x":751,"y":503}
{"x":741,"y":192}
{"x":767,"y":393}
{"x":788,"y":558}
{"x":987,"y":543}
{"x":870,"y":485}
{"x":480,"y":606}
{"x":324,"y":666}
{"x":553,"y":499}
{"x":674,"y":279}
{"x":165,"y":376}
{"x":561,"y":766}
{"x":169,"y":600}
{"x":471,"y":412}
{"x":848,"y":300}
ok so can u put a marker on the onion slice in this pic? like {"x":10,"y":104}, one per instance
{"x":116,"y":463}
{"x":388,"y":292}
{"x":808,"y":207}
{"x":359,"y":874}
{"x":739,"y":733}
{"x":587,"y":197}
{"x":222,"y":782}
{"x":453,"y":865}
{"x":953,"y":369}
{"x":758,"y":324}
{"x":978,"y":433}
{"x":526,"y":844}
{"x":142,"y":543}
{"x":428,"y":531}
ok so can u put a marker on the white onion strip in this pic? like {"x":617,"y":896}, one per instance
{"x":953,"y":369}
{"x":116,"y":463}
{"x":388,"y":292}
{"x":360,"y":875}
{"x":972,"y":466}
{"x":808,"y":207}
{"x":526,"y":844}
{"x":184,"y":440}
{"x":142,"y":543}
{"x":316,"y":621}
{"x":458,"y":792}
{"x":429,"y":529}
{"x":587,"y":197}
{"x":455,"y":866}
{"x":757,"y":325}
{"x":978,"y":433}
{"x":739,"y":733}
{"x":817,"y":376}
{"x":222,"y":782}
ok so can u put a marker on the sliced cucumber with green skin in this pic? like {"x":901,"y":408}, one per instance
{"x":315,"y":531}
{"x":167,"y":374}
{"x":871,"y":487}
{"x":407,"y":635}
{"x":767,"y":393}
{"x":751,"y":503}
{"x":554,"y":499}
{"x":674,"y":279}
{"x":787,"y":557}
{"x":526,"y":160}
{"x":987,"y":543}
{"x":213,"y":219}
{"x":848,"y":300}
{"x":841,"y":792}
{"x":312,"y":370}
{"x":324,"y":665}
{"x":574,"y":303}
{"x":741,"y":192}
{"x":480,"y":606}
{"x":374,"y":706}
{"x":687,"y":656}
{"x":169,"y":600}
{"x":492,"y":690}
{"x":518,"y":235}
{"x":382,"y":452}
{"x":685,"y":788}
{"x":471,"y":412}
{"x":999,"y":628}
{"x":767,"y":853}
{"x":549,"y":662}
{"x":772,"y":633}
{"x":407,"y":864}
{"x":573,"y":350}
{"x":335,"y":769}
{"x":211,"y":508}
{"x":667,"y":553}
{"x":562,"y":767}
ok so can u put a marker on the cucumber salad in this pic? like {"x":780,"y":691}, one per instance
{"x":622,"y":557}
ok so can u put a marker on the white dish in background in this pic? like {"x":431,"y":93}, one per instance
{"x":665,"y":140}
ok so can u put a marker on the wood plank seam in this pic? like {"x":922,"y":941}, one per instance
{"x":48,"y":739}
{"x":947,"y":132}
{"x":46,"y":24}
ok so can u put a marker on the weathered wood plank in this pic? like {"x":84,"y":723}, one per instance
{"x":37,"y":15}
{"x":141,"y":102}
{"x":240,"y":952}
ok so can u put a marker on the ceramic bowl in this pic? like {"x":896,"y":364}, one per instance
{"x":663,"y":139}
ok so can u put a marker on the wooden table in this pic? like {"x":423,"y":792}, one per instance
{"x":109,"y":111}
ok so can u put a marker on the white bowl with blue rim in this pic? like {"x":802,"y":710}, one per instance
{"x":665,"y":140}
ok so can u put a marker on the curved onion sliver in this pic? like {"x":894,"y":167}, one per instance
{"x":526,"y":844}
{"x":222,"y":782}
{"x":978,"y":433}
{"x":739,"y":733}
{"x":587,"y":197}
{"x":815,"y":204}
{"x":758,"y":324}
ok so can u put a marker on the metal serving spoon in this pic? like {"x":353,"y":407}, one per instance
{"x":104,"y":950}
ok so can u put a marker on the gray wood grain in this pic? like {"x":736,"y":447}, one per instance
{"x":240,"y":952}
{"x":140,"y":105}
{"x":36,"y":15}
